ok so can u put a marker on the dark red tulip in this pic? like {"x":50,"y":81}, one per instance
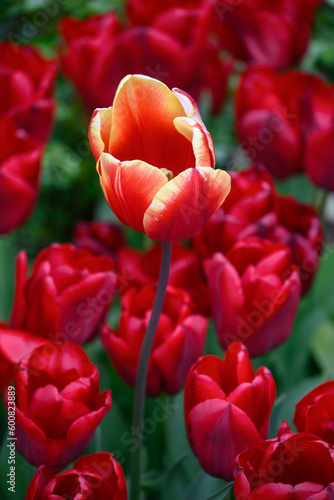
{"x":26,"y":79}
{"x":255,"y":293}
{"x":97,"y":477}
{"x":293,"y":466}
{"x":67,"y":295}
{"x":179,"y":340}
{"x":142,"y":268}
{"x":99,"y":237}
{"x":254,"y":208}
{"x":315,"y":412}
{"x":20,"y":159}
{"x":58,"y":404}
{"x":285,"y":122}
{"x":246,"y":28}
{"x":227,"y":408}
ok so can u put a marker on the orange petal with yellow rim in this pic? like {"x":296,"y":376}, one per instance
{"x":99,"y":131}
{"x":182,"y":206}
{"x":129,"y":187}
{"x":199,"y":138}
{"x":143,"y":129}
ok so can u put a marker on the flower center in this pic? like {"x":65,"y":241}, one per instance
{"x":167,"y":173}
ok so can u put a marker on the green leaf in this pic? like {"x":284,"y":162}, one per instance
{"x":222,"y":493}
{"x":322,"y":347}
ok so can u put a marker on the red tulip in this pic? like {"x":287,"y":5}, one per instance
{"x":19,"y":174}
{"x":255,"y":293}
{"x":315,"y":412}
{"x":174,"y":47}
{"x":14,"y":345}
{"x":67,"y":295}
{"x":99,"y":237}
{"x":254,"y":208}
{"x":179,"y":339}
{"x":58,"y":404}
{"x":145,"y":11}
{"x":227,"y":408}
{"x":26,"y":79}
{"x":97,"y":476}
{"x":137,"y":269}
{"x":158,"y":177}
{"x":246,"y":29}
{"x":284,"y":120}
{"x":293,"y":466}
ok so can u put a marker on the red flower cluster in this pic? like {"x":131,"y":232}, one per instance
{"x":227,"y":408}
{"x":58,"y":404}
{"x":254,"y":208}
{"x":94,"y":476}
{"x":178,"y":343}
{"x":285,"y":122}
{"x":171,"y":44}
{"x":26,"y":81}
{"x":67,"y":295}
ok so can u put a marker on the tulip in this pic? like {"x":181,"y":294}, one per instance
{"x":67,"y":295}
{"x":95,"y":476}
{"x":156,"y":168}
{"x":178,"y":342}
{"x":99,"y":237}
{"x":297,"y":466}
{"x":26,"y":79}
{"x":227,"y":408}
{"x":284,"y":121}
{"x":246,"y":27}
{"x":20,"y":159}
{"x":254,"y":208}
{"x":137,"y":269}
{"x":255,"y":294}
{"x":315,"y":412}
{"x":58,"y":404}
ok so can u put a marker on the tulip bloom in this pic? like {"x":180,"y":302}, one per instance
{"x":292,"y":466}
{"x":99,"y":237}
{"x":315,"y":412}
{"x":255,"y":294}
{"x":285,"y":122}
{"x":246,"y":28}
{"x":178,"y":343}
{"x":26,"y":79}
{"x":20,"y":161}
{"x":95,"y":476}
{"x":254,"y":208}
{"x":67,"y":295}
{"x":227,"y":408}
{"x":155,"y":160}
{"x":58,"y":404}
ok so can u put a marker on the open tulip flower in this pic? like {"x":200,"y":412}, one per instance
{"x":155,"y":160}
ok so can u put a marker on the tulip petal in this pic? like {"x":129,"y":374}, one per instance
{"x":129,"y":187}
{"x":182,"y":206}
{"x":99,"y":131}
{"x":143,"y":114}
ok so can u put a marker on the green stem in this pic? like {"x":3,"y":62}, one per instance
{"x":140,"y":387}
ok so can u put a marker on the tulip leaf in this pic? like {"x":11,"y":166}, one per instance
{"x":322,"y":347}
{"x":221,"y":494}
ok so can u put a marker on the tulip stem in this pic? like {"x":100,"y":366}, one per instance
{"x":140,"y":387}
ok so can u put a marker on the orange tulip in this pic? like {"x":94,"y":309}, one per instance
{"x":155,"y":160}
